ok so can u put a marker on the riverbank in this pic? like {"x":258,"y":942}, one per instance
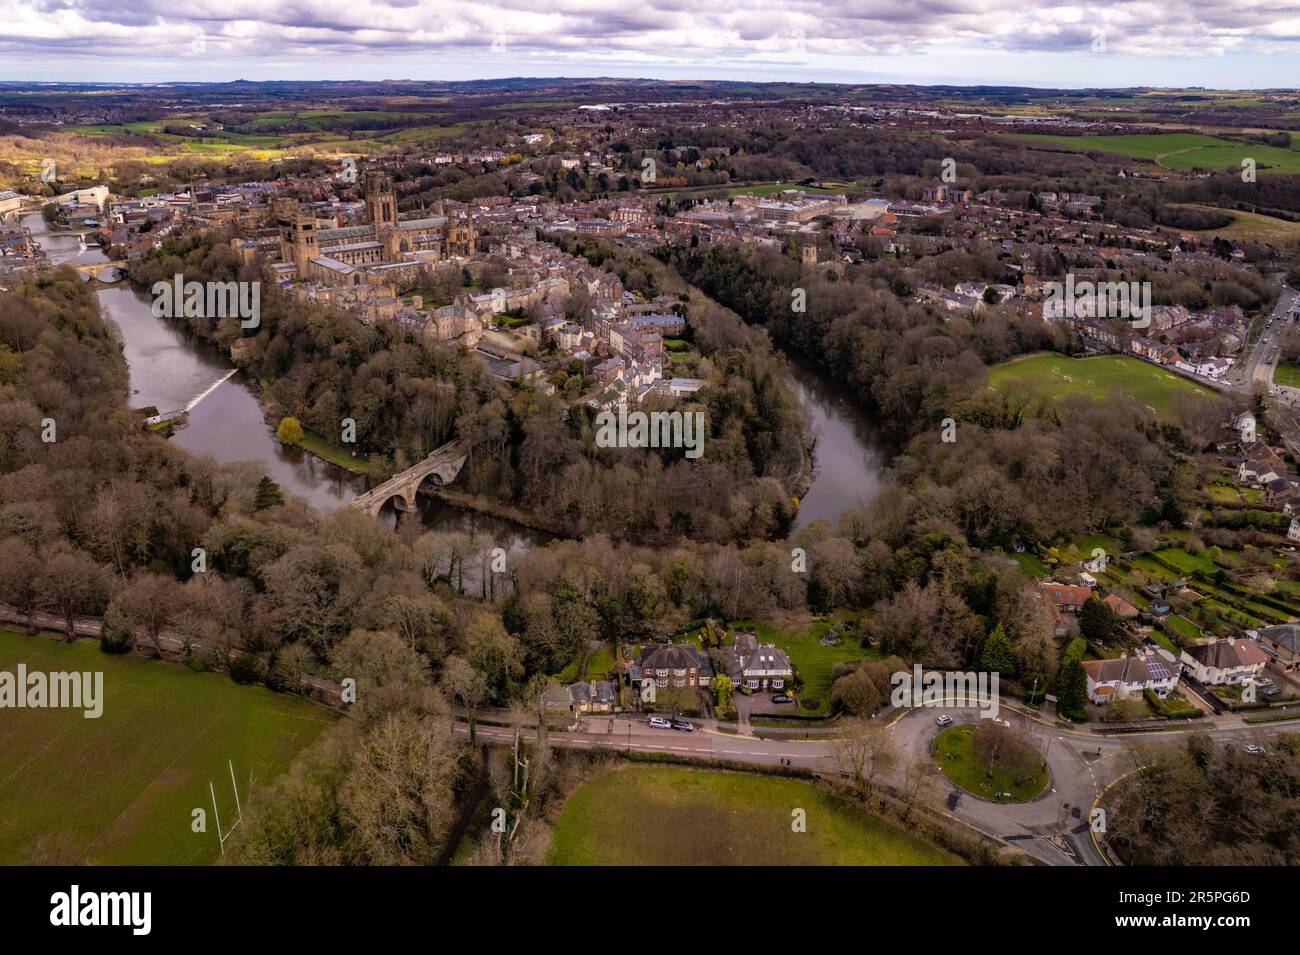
{"x":315,"y":444}
{"x":464,"y":500}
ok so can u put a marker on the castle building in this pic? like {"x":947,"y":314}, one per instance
{"x":383,"y":250}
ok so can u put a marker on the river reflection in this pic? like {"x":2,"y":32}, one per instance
{"x":849,"y":455}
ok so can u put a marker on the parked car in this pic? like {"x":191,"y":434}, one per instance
{"x":944,"y":720}
{"x":1254,"y":749}
{"x":1006,"y":723}
{"x":684,"y":726}
{"x":659,"y":723}
{"x":782,"y":698}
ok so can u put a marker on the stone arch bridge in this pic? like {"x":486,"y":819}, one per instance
{"x":442,"y":466}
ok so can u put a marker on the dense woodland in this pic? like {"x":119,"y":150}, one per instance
{"x":408,"y":397}
{"x":1204,"y":803}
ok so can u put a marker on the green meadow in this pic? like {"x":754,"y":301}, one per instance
{"x":1054,"y":377}
{"x":679,"y":816}
{"x":121,"y":789}
{"x":1179,"y":152}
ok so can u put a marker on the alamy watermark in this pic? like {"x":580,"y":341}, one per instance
{"x":1127,"y":300}
{"x":62,"y":690}
{"x":181,"y":299}
{"x":130,"y":909}
{"x":946,"y":688}
{"x":651,"y":429}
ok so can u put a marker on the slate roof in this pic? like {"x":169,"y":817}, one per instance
{"x":1227,"y":655}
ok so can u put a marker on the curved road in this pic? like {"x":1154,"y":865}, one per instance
{"x":1053,"y":828}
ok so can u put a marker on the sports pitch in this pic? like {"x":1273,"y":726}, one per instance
{"x":121,"y":789}
{"x":1054,"y":377}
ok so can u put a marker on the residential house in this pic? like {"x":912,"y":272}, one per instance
{"x":759,"y":666}
{"x":1131,"y":674}
{"x":597,"y":696}
{"x":673,"y":664}
{"x":1282,"y":642}
{"x":1120,"y":607}
{"x":1224,"y":661}
{"x":1066,"y":596}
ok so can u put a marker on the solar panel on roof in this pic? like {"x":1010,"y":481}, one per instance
{"x":1158,"y":671}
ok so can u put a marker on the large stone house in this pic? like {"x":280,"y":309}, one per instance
{"x":675,"y":665}
{"x":758,"y":666}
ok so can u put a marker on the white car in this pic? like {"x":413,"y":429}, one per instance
{"x":944,"y":720}
{"x":1254,"y":749}
{"x":659,"y":723}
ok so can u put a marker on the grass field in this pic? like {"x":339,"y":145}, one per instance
{"x":954,"y":751}
{"x":120,"y":789}
{"x":1287,"y":374}
{"x":1179,"y":152}
{"x":1098,"y":378}
{"x":1250,"y":226}
{"x":673,"y":815}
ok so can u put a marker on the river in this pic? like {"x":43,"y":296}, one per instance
{"x":848,"y":454}
{"x":170,"y":370}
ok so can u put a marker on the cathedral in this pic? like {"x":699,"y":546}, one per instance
{"x":383,"y":251}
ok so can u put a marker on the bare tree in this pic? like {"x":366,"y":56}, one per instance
{"x":866,"y":751}
{"x":72,"y":583}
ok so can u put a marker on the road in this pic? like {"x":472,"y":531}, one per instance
{"x":1053,"y":828}
{"x":1257,"y":369}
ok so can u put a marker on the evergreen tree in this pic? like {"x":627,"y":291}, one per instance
{"x":1096,"y":621}
{"x":268,"y":494}
{"x":998,"y":655}
{"x":1072,"y":682}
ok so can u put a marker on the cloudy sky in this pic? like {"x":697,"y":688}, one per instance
{"x":1241,"y":44}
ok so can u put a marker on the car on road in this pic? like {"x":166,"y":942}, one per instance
{"x":684,"y":726}
{"x":1002,"y":722}
{"x":782,"y":698}
{"x":1254,"y":749}
{"x":659,"y":723}
{"x":944,"y":720}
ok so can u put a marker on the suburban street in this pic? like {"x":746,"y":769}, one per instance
{"x":1257,"y":369}
{"x":1053,"y":828}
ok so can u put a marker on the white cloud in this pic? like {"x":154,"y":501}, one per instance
{"x":720,"y":34}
